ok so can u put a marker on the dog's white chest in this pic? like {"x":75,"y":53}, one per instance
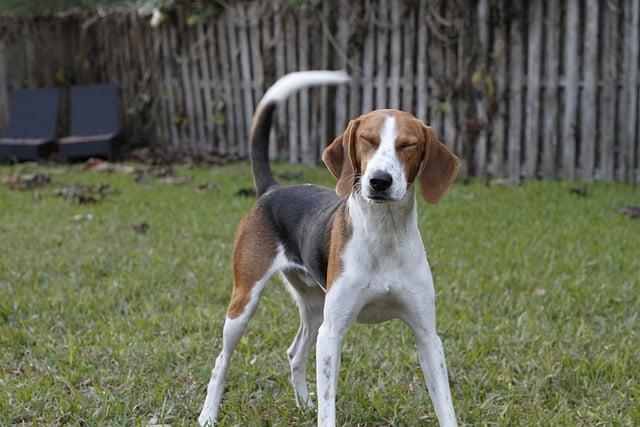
{"x":385,"y":268}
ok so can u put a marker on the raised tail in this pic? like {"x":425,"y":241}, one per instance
{"x":263,"y":118}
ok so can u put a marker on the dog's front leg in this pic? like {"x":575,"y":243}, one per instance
{"x":340,"y":311}
{"x":421,"y":318}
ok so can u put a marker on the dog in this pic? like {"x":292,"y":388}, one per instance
{"x":353,"y":254}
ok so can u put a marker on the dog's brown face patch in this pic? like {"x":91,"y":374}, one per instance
{"x":347,"y":157}
{"x":361,"y":140}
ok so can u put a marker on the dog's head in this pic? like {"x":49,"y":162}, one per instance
{"x":385,"y":151}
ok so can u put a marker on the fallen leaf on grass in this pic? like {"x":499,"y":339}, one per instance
{"x":632,"y":212}
{"x":140,"y":228}
{"x":503,"y":182}
{"x":83,"y":217}
{"x":81,"y":194}
{"x":580,"y":191}
{"x":143,"y":174}
{"x":208,"y":186}
{"x":99,"y":165}
{"x":158,"y":171}
{"x":245,"y":192}
{"x":165,"y":173}
{"x":18,"y":181}
{"x":176,"y":179}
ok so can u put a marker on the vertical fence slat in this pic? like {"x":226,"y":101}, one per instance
{"x":396,"y":56}
{"x":292,"y":65}
{"x":268,"y":51}
{"x":436,"y":71}
{"x":307,"y":152}
{"x":516,"y":71}
{"x":608,"y":95}
{"x":343,"y":41}
{"x":422,"y":65}
{"x":480,"y":160}
{"x":381,"y":56}
{"x":356,"y":89}
{"x":158,"y":109}
{"x":256,"y":54}
{"x":450,"y":108}
{"x":194,"y":60}
{"x":236,"y":83}
{"x":409,"y":56}
{"x":222,"y":59}
{"x":551,"y":90}
{"x":588,"y":116}
{"x":499,"y":54}
{"x":622,"y":90}
{"x":218,"y":119}
{"x":244,"y":48}
{"x":322,"y":136}
{"x":633,"y":43}
{"x":367,"y":65}
{"x":281,"y":69}
{"x":168,"y":82}
{"x":534,"y":66}
{"x":180,"y":112}
{"x":189,"y":98}
{"x":571,"y":81}
{"x":257,"y":66}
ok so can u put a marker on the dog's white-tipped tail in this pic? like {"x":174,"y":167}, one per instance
{"x":263,"y":117}
{"x":290,"y":83}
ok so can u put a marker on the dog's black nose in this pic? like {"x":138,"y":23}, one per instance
{"x":380,"y":181}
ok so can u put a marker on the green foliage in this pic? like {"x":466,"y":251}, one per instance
{"x":538,"y":295}
{"x":34,"y":7}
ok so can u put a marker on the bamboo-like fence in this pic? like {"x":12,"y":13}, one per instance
{"x":544,"y":88}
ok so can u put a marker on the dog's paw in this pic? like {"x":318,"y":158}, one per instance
{"x":305,"y":403}
{"x":206,"y":418}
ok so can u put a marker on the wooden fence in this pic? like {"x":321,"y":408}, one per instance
{"x":519,"y":89}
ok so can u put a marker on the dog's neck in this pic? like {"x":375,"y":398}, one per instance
{"x":383,"y":219}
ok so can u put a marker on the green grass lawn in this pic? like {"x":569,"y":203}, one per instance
{"x":538,"y":295}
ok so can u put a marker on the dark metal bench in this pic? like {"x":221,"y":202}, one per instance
{"x":33,"y":121}
{"x":95,"y":128}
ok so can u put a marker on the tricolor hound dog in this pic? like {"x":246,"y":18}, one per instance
{"x":351,"y":254}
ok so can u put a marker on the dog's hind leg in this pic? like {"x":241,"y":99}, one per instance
{"x":256,"y":257}
{"x":310,"y":302}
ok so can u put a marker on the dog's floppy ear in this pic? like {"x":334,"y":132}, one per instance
{"x":340,"y":158}
{"x":439,"y":167}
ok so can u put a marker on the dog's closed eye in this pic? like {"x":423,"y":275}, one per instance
{"x":408,"y":145}
{"x":372,"y":142}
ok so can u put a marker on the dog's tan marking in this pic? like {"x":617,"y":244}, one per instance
{"x":254,"y":250}
{"x":338,"y":238}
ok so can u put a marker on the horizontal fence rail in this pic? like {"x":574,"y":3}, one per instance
{"x":544,"y":88}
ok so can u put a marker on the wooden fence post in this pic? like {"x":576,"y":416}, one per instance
{"x":571,"y":82}
{"x":608,"y":94}
{"x":588,"y":116}
{"x":516,"y":71}
{"x":534,"y":67}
